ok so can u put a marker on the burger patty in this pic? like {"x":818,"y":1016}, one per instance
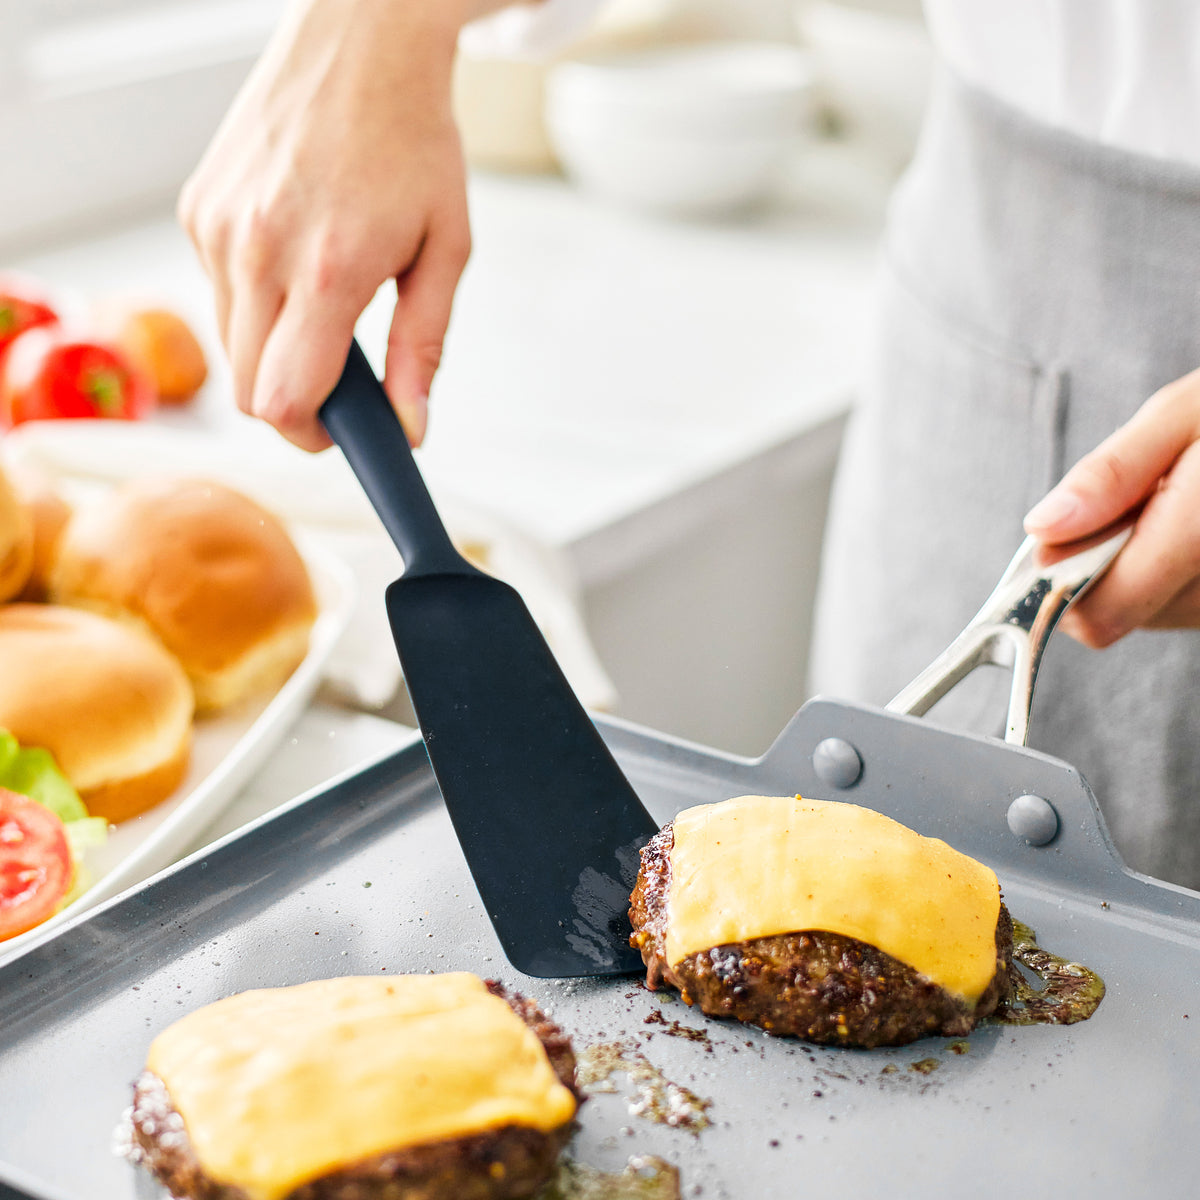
{"x":500,"y":1164}
{"x":823,"y":987}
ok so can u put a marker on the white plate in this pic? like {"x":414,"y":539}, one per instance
{"x":227,"y":749}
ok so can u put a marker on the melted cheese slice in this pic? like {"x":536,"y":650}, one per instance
{"x":281,"y":1086}
{"x":758,"y":866}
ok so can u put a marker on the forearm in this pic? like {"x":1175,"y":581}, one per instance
{"x":403,"y":21}
{"x":375,"y":29}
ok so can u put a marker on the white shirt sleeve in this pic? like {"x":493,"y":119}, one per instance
{"x":529,"y":30}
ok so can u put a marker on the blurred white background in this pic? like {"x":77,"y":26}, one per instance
{"x":656,"y":401}
{"x":110,"y":102}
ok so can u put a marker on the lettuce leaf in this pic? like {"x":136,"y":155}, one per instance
{"x":86,"y":835}
{"x":34,"y":773}
{"x":82,"y":836}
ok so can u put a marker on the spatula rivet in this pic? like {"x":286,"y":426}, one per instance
{"x":1034,"y":819}
{"x":837,"y":762}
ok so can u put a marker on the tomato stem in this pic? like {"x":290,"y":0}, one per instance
{"x":105,"y":389}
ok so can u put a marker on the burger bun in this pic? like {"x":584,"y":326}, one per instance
{"x":110,"y":704}
{"x":211,"y":573}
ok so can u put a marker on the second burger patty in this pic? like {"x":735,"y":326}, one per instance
{"x":498,"y":1164}
{"x":823,"y":987}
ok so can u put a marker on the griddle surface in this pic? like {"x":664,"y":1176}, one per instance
{"x":365,"y":877}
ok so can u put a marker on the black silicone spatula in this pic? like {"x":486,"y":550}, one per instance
{"x":549,"y":825}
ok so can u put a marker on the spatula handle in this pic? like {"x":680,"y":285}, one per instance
{"x":360,"y":419}
{"x":1015,"y":623}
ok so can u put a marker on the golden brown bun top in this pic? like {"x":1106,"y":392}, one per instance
{"x":210,"y":571}
{"x":104,"y":698}
{"x":16,"y":540}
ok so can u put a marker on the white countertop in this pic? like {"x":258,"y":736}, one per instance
{"x":598,"y":360}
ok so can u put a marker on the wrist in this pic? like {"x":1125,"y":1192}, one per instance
{"x":412,"y":38}
{"x":444,"y":18}
{"x":433,"y":24}
{"x":472,"y":10}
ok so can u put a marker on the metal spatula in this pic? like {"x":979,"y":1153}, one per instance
{"x":549,"y":825}
{"x":1014,"y":624}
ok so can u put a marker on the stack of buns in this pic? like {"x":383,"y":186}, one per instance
{"x":123,"y":619}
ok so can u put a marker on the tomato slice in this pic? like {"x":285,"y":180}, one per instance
{"x":35,"y":863}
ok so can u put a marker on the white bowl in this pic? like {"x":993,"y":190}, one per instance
{"x":690,"y":130}
{"x":874,"y":66}
{"x":499,"y":111}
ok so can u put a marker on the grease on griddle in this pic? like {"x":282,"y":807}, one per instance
{"x":646,"y":1177}
{"x":1072,"y":992}
{"x":658,"y":1099}
{"x":689,"y":1033}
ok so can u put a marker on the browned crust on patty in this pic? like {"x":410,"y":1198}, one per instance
{"x":822,"y":987}
{"x":500,"y":1164}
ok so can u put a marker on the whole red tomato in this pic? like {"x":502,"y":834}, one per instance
{"x":47,"y":374}
{"x":22,"y":307}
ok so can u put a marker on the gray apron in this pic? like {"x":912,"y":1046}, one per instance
{"x":1035,"y":289}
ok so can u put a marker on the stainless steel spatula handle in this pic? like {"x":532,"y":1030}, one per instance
{"x":1015,"y":623}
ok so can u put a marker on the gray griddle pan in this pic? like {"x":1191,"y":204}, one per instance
{"x":365,"y":876}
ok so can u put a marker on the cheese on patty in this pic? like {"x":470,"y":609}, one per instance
{"x":758,"y":866}
{"x":280,"y":1086}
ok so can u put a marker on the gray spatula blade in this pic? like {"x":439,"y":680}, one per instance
{"x":549,"y":825}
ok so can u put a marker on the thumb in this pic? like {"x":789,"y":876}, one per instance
{"x":424,"y":296}
{"x":1123,"y":470}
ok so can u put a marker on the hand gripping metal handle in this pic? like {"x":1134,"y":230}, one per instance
{"x":1015,"y":623}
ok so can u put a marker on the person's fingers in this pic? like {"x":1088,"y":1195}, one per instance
{"x":1157,"y":567}
{"x":252,"y":316}
{"x":302,"y":360}
{"x":1124,"y":469}
{"x":255,"y":307}
{"x":1183,"y":612}
{"x":424,"y":297}
{"x":210,"y":234}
